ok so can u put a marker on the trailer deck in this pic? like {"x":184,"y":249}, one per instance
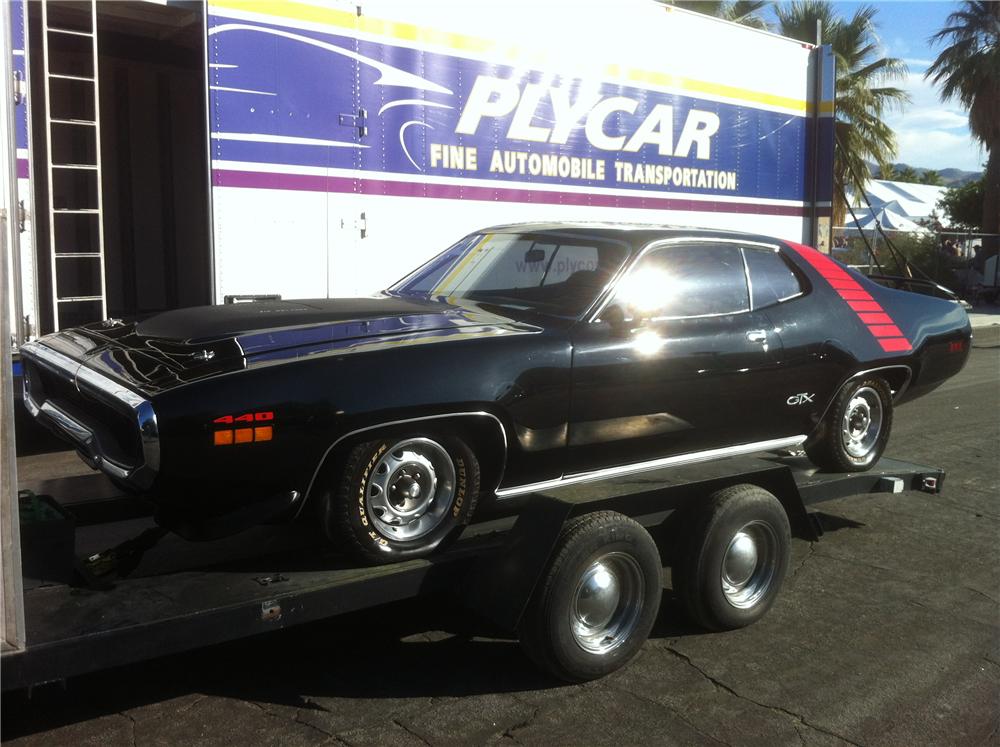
{"x":184,"y":595}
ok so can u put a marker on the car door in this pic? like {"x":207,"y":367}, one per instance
{"x":675,"y":362}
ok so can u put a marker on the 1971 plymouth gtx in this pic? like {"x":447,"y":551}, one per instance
{"x":523,"y":357}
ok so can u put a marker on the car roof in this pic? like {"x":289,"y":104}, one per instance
{"x":637,"y":234}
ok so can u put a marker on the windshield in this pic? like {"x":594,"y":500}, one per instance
{"x":555,"y":274}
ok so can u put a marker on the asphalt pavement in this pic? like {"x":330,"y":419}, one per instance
{"x":887,"y":632}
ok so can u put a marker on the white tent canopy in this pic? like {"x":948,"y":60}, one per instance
{"x":896,"y":205}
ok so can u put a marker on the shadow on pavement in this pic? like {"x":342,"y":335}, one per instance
{"x":425,"y":649}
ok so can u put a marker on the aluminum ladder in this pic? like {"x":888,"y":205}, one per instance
{"x":78,"y":273}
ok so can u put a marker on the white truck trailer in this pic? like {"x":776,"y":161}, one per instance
{"x":187,"y":152}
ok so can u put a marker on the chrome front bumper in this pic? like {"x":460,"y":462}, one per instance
{"x":89,"y":437}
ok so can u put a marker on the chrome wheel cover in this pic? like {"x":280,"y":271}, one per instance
{"x":607,"y":603}
{"x":411,"y":489}
{"x":862,"y":423}
{"x":750,"y":564}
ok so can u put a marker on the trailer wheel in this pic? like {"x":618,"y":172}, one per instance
{"x":595,"y":604}
{"x":728,"y":572}
{"x":402,"y":497}
{"x":856,"y":429}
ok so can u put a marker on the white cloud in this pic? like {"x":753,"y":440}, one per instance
{"x":931,"y":133}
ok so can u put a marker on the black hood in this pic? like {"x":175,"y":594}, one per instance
{"x":177,"y":347}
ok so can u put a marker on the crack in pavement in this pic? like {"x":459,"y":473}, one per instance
{"x":411,"y":732}
{"x":779,"y":709}
{"x":981,"y":593}
{"x":674,"y":711}
{"x":523,"y":724}
{"x":812,"y":551}
{"x":131,"y":720}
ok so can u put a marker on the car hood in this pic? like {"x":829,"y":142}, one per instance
{"x":177,"y":347}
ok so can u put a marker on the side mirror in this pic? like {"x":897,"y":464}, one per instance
{"x":617,"y":319}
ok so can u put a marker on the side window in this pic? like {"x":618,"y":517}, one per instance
{"x":694,"y":280}
{"x":771,"y":279}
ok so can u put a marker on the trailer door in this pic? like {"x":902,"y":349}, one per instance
{"x":286,"y":130}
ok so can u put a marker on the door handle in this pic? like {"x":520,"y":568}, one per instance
{"x":757,"y":335}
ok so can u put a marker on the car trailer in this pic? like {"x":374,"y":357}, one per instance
{"x":576,"y":574}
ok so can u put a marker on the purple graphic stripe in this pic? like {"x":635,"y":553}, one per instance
{"x":22,"y":168}
{"x":313,"y":183}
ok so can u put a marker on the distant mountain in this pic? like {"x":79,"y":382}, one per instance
{"x":949,"y":177}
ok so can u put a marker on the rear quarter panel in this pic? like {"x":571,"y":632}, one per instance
{"x":877,"y":326}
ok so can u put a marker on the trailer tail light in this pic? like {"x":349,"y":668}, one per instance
{"x":263,"y":433}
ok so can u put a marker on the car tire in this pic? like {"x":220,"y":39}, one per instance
{"x":595,"y":604}
{"x":402,"y":497}
{"x":733,"y":559}
{"x":856,"y":429}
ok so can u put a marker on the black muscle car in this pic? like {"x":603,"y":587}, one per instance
{"x":523,"y":357}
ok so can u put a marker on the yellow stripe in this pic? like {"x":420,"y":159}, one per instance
{"x":411,"y":33}
{"x":456,"y":271}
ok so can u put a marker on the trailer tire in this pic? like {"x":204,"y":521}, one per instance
{"x":597,"y":600}
{"x":729,"y":570}
{"x":856,"y":429}
{"x":402,"y":496}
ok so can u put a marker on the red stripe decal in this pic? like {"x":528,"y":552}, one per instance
{"x":885,"y":330}
{"x":844,"y":284}
{"x":880,"y":325}
{"x":894,"y":344}
{"x":855,"y":295}
{"x":876,"y":318}
{"x":864,"y":305}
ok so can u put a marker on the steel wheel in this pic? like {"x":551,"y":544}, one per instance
{"x":411,"y":489}
{"x":862,"y":422}
{"x":607,"y":603}
{"x":750,"y":564}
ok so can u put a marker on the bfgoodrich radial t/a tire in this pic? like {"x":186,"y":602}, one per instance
{"x":402,"y":497}
{"x":856,"y":428}
{"x":597,"y":601}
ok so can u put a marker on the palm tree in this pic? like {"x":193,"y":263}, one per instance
{"x":969,"y":70}
{"x":863,"y":95}
{"x":744,"y":12}
{"x":932,"y":177}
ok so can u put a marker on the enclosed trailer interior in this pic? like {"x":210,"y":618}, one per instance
{"x":128,"y":228}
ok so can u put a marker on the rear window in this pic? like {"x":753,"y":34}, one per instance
{"x":771,"y":278}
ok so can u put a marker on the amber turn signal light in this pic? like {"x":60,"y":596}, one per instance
{"x":244,"y":435}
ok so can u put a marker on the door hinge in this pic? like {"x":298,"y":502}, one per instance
{"x":22,"y":216}
{"x":363,"y":225}
{"x":18,"y":88}
{"x":359,"y":120}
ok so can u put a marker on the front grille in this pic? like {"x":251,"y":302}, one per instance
{"x":116,"y":429}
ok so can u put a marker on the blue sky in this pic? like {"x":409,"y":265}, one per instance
{"x":931,"y":134}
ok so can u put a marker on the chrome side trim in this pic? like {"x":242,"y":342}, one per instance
{"x":141,"y":476}
{"x":391,"y":423}
{"x":671,"y":461}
